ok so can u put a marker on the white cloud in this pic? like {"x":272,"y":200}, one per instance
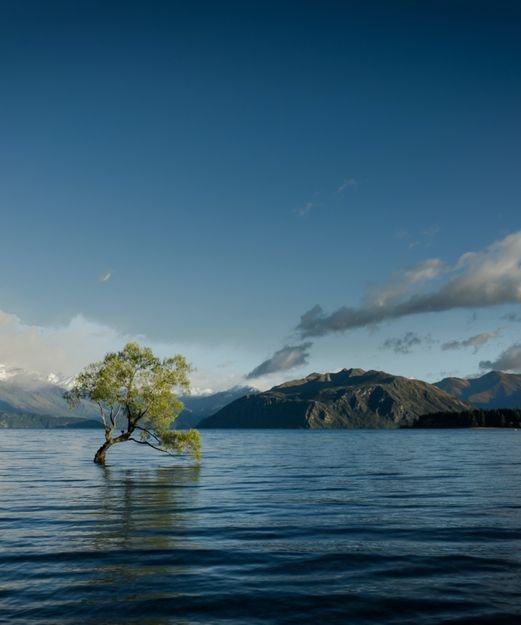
{"x":509,"y":360}
{"x":307,"y":208}
{"x":288,"y":357}
{"x":63,"y":350}
{"x":402,"y":282}
{"x":348,"y":183}
{"x":479,"y":279}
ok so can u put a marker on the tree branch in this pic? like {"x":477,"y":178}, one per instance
{"x":140,"y":416}
{"x":165,"y":451}
{"x":102,"y":415}
{"x":149,"y":433}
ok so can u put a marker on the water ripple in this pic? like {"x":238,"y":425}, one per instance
{"x":275,"y":527}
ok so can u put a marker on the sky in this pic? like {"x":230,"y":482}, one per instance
{"x":268,"y":188}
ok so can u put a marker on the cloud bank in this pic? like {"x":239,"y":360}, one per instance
{"x":479,"y":279}
{"x":509,"y":360}
{"x":288,"y":357}
{"x":65,"y":349}
{"x":476,"y":341}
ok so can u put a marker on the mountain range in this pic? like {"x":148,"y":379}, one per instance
{"x":492,"y":390}
{"x":350,"y":398}
{"x":345,"y":399}
{"x":29,"y":393}
{"x":40,"y":421}
{"x":198,"y":407}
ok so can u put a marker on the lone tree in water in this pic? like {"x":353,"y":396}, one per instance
{"x":134,"y":393}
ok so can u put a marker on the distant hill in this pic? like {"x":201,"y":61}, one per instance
{"x":26,"y":421}
{"x":492,"y":390}
{"x":25,"y":396}
{"x":24,"y":393}
{"x":351,"y":398}
{"x":198,"y":407}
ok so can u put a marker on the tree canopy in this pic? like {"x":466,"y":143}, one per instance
{"x":134,"y":392}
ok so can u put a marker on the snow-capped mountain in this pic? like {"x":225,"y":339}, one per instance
{"x":37,"y":393}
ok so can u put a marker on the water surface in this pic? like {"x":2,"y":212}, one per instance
{"x":275,"y":527}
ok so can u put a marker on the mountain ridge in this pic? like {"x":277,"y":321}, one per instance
{"x":495,"y":389}
{"x":317,"y":400}
{"x":349,"y":398}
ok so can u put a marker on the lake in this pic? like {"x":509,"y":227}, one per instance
{"x":275,"y":527}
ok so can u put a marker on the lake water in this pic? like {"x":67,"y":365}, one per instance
{"x":274,"y":527}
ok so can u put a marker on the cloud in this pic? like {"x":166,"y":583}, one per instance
{"x":105,"y":277}
{"x":509,"y":360}
{"x":307,"y":208}
{"x":348,"y":183}
{"x":478,"y":279}
{"x":66,"y":348}
{"x":423,"y":238}
{"x":476,"y":341}
{"x":516,"y":317}
{"x":286,"y":358}
{"x":405,"y":344}
{"x":401,"y":283}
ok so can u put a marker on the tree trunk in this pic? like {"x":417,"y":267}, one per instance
{"x":99,"y":458}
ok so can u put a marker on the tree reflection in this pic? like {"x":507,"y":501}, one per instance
{"x":144,"y":519}
{"x":145,"y":509}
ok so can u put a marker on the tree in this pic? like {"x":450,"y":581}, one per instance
{"x":134,"y":393}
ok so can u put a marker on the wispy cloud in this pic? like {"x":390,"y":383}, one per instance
{"x":105,"y":277}
{"x":479,"y":279}
{"x":514,"y":317}
{"x":509,"y":360}
{"x":406,"y":343}
{"x":348,"y":183}
{"x":476,"y":341}
{"x":305,"y":210}
{"x":423,"y":238}
{"x":402,"y":282}
{"x":288,"y":357}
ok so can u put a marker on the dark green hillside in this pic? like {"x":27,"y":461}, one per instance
{"x":351,"y":398}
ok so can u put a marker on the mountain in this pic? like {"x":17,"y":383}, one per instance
{"x":351,"y":398}
{"x":22,"y":392}
{"x":31,"y":394}
{"x":492,"y":390}
{"x":197,"y":407}
{"x":38,"y":421}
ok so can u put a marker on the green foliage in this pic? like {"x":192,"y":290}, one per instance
{"x":134,"y":390}
{"x":179,"y":441}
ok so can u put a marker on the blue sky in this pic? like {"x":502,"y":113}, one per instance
{"x":234,"y":165}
